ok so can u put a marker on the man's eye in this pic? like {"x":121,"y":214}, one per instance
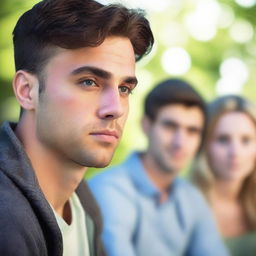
{"x":87,"y":82}
{"x":125,"y":90}
{"x":168,"y":124}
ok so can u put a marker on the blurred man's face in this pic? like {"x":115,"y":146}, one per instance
{"x":174,"y":136}
{"x":82,"y":111}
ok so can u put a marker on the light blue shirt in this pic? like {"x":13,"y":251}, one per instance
{"x":135,"y":223}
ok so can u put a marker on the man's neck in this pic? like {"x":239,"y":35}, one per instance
{"x":160,"y":179}
{"x":57,"y":177}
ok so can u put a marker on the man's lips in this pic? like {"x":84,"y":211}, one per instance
{"x":106,"y":135}
{"x":177,"y":154}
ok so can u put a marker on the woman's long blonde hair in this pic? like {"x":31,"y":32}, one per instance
{"x":201,"y":173}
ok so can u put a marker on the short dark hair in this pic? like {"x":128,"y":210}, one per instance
{"x":172,"y":91}
{"x":72,"y":24}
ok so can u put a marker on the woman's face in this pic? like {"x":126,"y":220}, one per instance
{"x":232,"y":148}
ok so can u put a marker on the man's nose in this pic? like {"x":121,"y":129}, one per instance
{"x":111,"y":105}
{"x":178,"y":138}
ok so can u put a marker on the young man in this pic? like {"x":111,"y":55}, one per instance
{"x":75,"y":63}
{"x":147,"y":209}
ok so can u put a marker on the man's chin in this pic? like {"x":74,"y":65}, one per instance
{"x":98,"y":162}
{"x":96,"y":159}
{"x":174,"y":170}
{"x":100,"y":165}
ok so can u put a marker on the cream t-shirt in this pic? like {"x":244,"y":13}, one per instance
{"x":75,"y":239}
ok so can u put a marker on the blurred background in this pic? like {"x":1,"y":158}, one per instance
{"x":211,"y":43}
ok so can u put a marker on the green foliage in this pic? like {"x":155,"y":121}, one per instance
{"x":206,"y":58}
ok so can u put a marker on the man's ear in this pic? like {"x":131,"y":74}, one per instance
{"x":146,"y":124}
{"x":25,"y":86}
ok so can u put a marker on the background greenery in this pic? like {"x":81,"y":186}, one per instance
{"x":210,"y":43}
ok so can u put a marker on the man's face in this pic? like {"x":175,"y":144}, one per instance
{"x":81,"y":113}
{"x":174,"y":136}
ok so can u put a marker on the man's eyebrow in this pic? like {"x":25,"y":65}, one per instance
{"x":102,"y":74}
{"x":195,"y":128}
{"x":169,"y":122}
{"x":94,"y":70}
{"x":131,"y":80}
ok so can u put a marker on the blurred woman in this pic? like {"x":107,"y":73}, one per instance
{"x":225,"y":171}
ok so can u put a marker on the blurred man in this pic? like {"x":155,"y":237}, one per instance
{"x":147,"y":209}
{"x":75,"y":68}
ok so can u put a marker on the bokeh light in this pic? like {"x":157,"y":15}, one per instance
{"x":202,"y":23}
{"x":226,"y":17}
{"x":241,"y":31}
{"x":228,"y":85}
{"x":246,"y":3}
{"x":176,"y":61}
{"x":234,"y":67}
{"x":234,"y":74}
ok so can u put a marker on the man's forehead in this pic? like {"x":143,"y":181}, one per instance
{"x":181,"y":115}
{"x":75,"y":59}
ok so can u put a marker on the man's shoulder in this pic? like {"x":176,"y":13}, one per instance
{"x":18,"y":224}
{"x":112,"y":177}
{"x":117,"y":173}
{"x":185,"y":185}
{"x":13,"y":202}
{"x":114,"y":192}
{"x":115,"y":181}
{"x":187,"y":191}
{"x":114,"y":174}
